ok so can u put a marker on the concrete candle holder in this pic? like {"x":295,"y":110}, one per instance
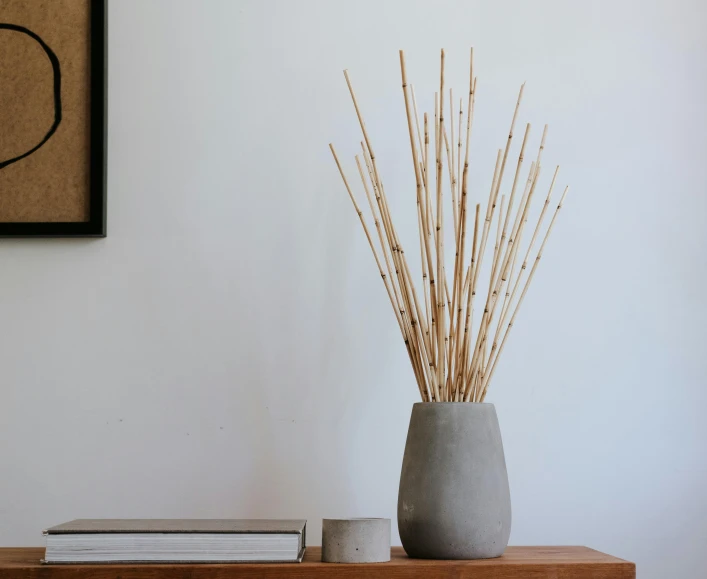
{"x":355,"y":540}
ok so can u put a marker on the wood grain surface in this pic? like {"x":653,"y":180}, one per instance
{"x":517,"y":563}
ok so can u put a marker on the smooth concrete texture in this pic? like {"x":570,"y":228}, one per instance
{"x":454,"y":501}
{"x":355,"y":540}
{"x":230,"y":351}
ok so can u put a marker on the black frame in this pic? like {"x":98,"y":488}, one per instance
{"x":96,"y":224}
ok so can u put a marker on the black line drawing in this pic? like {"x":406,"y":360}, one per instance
{"x":56,"y":69}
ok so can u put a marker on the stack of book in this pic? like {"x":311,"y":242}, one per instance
{"x":176,"y":541}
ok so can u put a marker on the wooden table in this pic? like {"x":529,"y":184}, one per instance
{"x":517,"y":563}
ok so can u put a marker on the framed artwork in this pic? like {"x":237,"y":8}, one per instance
{"x":53,"y":118}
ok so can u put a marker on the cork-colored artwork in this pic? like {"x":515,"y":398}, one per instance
{"x":52,"y":111}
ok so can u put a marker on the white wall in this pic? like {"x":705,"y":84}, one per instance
{"x":229,"y":351}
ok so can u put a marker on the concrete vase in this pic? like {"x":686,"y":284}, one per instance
{"x":454,"y":501}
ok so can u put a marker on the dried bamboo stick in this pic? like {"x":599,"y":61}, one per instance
{"x":456,"y":210}
{"x":523,"y":201}
{"x":469,"y":116}
{"x":487,"y":219}
{"x":461,"y":355}
{"x":421,"y":384}
{"x":458,"y":338}
{"x":426,"y":149}
{"x":469,"y":121}
{"x":422,"y":225}
{"x":540,"y":219}
{"x":490,"y":204}
{"x":415,"y":329}
{"x":513,"y":190}
{"x":469,"y":305}
{"x":428,"y":199}
{"x":363,"y":127}
{"x":514,"y":245}
{"x":416,"y":341}
{"x":451,"y":129}
{"x":446,"y":286}
{"x":387,"y":227}
{"x":433,"y":220}
{"x":455,"y":206}
{"x":419,"y":326}
{"x":404,"y":302}
{"x":428,"y":229}
{"x":441,"y":320}
{"x":404,"y":281}
{"x":503,"y":164}
{"x":413,"y":147}
{"x":459,"y":256}
{"x":414,"y":362}
{"x":479,"y":261}
{"x":508,"y":290}
{"x":502,"y":317}
{"x":412,"y":289}
{"x":447,"y":334}
{"x":514,"y":242}
{"x":457,"y":305}
{"x":432,"y":215}
{"x":417,"y":118}
{"x":542,"y":146}
{"x":377,"y":185}
{"x":426,"y":221}
{"x":519,"y":212}
{"x":459,"y":146}
{"x":496,"y":247}
{"x":452,"y":166}
{"x":481,"y":369}
{"x":437,"y":136}
{"x":533,"y":167}
{"x":425,"y":292}
{"x":376,"y":222}
{"x":418,"y":183}
{"x":491,"y":298}
{"x":467,"y":279}
{"x":358,"y":211}
{"x":525,"y":289}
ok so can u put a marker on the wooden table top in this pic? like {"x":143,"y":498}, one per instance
{"x":516,"y":563}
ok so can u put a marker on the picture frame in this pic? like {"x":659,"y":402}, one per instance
{"x":92,"y":221}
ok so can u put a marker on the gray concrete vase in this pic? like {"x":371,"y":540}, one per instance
{"x":454,"y":501}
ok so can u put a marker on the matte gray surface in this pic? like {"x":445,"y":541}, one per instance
{"x":355,"y":540}
{"x":454,"y":501}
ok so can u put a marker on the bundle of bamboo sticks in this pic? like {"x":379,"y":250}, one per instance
{"x":450,"y":362}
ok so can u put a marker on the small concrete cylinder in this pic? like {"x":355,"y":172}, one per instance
{"x":355,"y":540}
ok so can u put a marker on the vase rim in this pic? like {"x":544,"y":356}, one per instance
{"x":454,"y":403}
{"x":357,"y":519}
